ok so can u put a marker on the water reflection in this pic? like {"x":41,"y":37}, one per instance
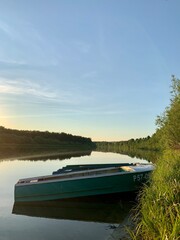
{"x":59,"y":156}
{"x":110,"y":210}
{"x":43,"y":156}
{"x":90,"y":220}
{"x":149,"y":155}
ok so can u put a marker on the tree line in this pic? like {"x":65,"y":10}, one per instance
{"x":17,"y":136}
{"x":167,"y":135}
{"x":23,"y":139}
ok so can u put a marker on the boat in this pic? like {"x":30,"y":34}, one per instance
{"x":78,"y":181}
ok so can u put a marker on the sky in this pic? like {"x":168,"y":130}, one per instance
{"x":96,"y":68}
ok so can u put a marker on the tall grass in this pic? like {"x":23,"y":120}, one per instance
{"x":158,"y":213}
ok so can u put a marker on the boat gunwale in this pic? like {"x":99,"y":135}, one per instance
{"x":89,"y":174}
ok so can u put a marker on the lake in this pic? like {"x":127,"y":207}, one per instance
{"x":66,"y":220}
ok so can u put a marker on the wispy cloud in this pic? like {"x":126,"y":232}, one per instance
{"x":71,"y":112}
{"x":39,"y":91}
{"x":13,"y":62}
{"x":23,"y":87}
{"x":30,"y":44}
{"x":18,"y":31}
{"x":9,"y":30}
{"x":5,"y":28}
{"x":6,"y":61}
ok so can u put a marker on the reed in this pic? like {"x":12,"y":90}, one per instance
{"x":158,"y":212}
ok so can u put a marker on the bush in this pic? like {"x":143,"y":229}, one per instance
{"x":158,"y":212}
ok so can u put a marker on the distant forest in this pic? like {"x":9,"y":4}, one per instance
{"x":18,"y":142}
{"x":167,"y":135}
{"x":11,"y":136}
{"x":148,"y":148}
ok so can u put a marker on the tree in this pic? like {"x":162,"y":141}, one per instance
{"x":169,"y":121}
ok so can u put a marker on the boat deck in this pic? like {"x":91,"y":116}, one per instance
{"x":69,"y":175}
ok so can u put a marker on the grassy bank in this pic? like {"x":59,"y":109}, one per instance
{"x":158,"y":213}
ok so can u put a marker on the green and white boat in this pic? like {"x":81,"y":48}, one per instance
{"x":76,"y":181}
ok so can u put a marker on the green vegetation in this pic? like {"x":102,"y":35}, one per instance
{"x":16,"y":142}
{"x":158,"y":212}
{"x":169,"y":122}
{"x":148,"y":148}
{"x":167,"y":135}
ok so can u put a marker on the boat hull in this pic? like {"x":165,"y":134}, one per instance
{"x":82,"y":187}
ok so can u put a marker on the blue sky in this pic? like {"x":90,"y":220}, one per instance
{"x":99,"y":68}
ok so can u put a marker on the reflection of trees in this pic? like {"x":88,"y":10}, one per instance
{"x":39,"y":154}
{"x":148,"y":155}
{"x":59,"y":156}
{"x":142,"y":148}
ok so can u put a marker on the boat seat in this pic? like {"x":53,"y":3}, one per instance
{"x":127,"y":169}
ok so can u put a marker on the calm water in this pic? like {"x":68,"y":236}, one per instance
{"x":62,"y":221}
